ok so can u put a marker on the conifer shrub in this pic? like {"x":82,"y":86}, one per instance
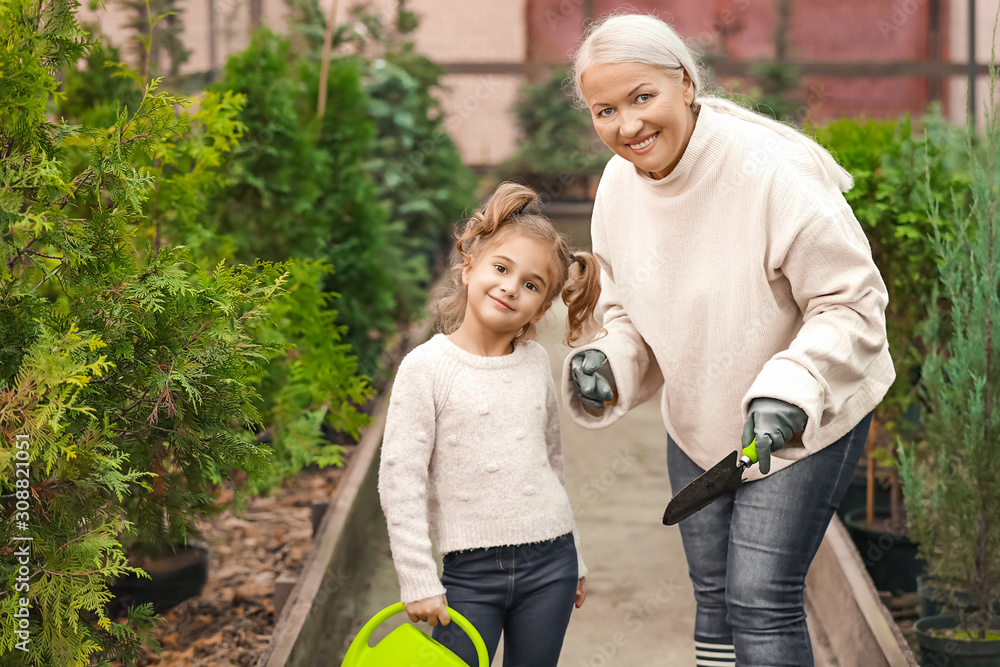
{"x":413,"y":162}
{"x":311,"y":390}
{"x":130,"y":368}
{"x":952,"y":481}
{"x":297,"y":191}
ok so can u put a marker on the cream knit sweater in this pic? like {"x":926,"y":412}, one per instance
{"x":741,"y":274}
{"x":471,"y":456}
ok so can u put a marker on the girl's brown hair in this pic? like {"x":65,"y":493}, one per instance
{"x":513,"y":209}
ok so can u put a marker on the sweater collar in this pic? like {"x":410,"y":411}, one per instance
{"x":704,"y":148}
{"x":478,"y":361}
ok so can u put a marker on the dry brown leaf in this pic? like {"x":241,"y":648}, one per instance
{"x":208,"y":641}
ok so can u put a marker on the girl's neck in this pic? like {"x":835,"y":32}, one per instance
{"x":481,"y":342}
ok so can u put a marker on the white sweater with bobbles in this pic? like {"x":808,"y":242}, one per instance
{"x":471,"y":457}
{"x":741,"y":274}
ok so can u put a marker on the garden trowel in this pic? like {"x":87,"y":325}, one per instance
{"x":724,"y":477}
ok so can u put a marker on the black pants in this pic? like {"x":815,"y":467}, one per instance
{"x":526,"y":591}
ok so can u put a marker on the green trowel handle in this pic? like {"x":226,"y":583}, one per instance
{"x":366,"y":632}
{"x":750,"y":451}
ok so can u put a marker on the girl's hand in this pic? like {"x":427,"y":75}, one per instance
{"x":581,"y":591}
{"x":433,"y":610}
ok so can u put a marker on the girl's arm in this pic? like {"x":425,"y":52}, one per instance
{"x":553,"y":443}
{"x":403,"y":473}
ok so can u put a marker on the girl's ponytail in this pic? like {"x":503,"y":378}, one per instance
{"x":582,"y":290}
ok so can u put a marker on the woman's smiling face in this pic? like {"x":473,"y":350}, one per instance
{"x":641,"y":112}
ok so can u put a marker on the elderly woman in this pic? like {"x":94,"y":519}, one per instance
{"x":737,"y":280}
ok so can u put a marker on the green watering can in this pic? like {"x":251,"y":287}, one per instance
{"x":407,"y":646}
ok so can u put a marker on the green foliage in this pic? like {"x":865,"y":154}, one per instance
{"x":358,"y":244}
{"x":93,"y":94}
{"x":75,"y":476}
{"x":27,"y":83}
{"x":130,"y":372}
{"x":314,"y":386}
{"x":292,"y":193}
{"x":557,"y":141}
{"x":414,"y":163}
{"x":276,"y":174}
{"x":891,"y":164}
{"x":953,"y":486}
{"x":190,"y":172}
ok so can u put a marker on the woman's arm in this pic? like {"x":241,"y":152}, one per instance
{"x":816,"y":243}
{"x":632,"y":362}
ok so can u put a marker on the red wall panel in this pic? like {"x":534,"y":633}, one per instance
{"x":741,"y":30}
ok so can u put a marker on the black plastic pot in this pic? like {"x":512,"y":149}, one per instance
{"x":856,"y":496}
{"x":948,"y":652}
{"x":937,"y":598}
{"x":890,"y":558}
{"x":173,"y":579}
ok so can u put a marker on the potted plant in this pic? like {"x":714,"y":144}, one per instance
{"x":952,"y":485}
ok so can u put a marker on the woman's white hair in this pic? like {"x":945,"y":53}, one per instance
{"x":643,"y":38}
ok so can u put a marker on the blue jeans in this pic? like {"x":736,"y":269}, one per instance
{"x":525,"y":590}
{"x":748,"y":552}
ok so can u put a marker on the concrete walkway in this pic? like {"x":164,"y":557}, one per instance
{"x":640,"y":608}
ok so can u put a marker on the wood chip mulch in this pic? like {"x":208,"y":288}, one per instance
{"x":231,"y":622}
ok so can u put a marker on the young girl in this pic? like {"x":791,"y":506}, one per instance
{"x":472,"y":451}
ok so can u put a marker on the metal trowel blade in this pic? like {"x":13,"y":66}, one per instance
{"x":722,"y":478}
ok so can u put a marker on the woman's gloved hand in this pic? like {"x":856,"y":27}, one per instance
{"x":592,"y":378}
{"x":772,"y":422}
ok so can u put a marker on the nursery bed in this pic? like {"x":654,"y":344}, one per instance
{"x":232,"y":621}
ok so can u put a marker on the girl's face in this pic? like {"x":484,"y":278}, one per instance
{"x":509,"y":284}
{"x":641,"y":113}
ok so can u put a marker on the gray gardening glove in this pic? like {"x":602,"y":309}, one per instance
{"x":772,"y":422}
{"x":593,"y":381}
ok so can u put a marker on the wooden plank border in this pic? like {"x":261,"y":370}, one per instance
{"x":843,"y":600}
